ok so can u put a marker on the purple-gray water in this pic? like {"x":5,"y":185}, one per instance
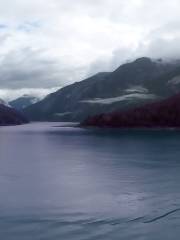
{"x":88,"y":184}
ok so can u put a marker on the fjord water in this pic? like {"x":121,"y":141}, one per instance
{"x":60,"y":182}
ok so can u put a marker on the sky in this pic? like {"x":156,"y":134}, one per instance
{"x":47,"y":44}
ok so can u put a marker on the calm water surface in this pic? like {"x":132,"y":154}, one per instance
{"x":75,"y":184}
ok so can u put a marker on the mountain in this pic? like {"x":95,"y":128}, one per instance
{"x":165,"y":113}
{"x":132,"y":84}
{"x":2,"y":102}
{"x":23,"y":102}
{"x":9,"y":116}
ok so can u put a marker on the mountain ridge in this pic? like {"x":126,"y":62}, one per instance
{"x":132,"y":84}
{"x":24,"y":101}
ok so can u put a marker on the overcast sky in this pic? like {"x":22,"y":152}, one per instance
{"x":46,"y":44}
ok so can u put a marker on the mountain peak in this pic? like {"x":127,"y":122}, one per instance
{"x":132,"y":84}
{"x":23,"y":101}
{"x":143,"y":60}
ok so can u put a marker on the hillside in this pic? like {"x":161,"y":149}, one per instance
{"x":9,"y":116}
{"x":131,"y":85}
{"x":164,"y":113}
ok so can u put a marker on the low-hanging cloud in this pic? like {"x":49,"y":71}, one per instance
{"x":47,"y":44}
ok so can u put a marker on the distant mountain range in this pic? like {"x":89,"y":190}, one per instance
{"x":2,"y":102}
{"x":131,"y":85}
{"x":165,"y":113}
{"x":9,"y":116}
{"x":23,"y":102}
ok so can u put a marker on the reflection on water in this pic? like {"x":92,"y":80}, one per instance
{"x":66,"y":182}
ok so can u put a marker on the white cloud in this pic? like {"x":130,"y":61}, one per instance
{"x":50,"y":43}
{"x":11,"y":94}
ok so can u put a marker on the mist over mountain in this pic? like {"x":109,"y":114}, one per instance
{"x":2,"y":102}
{"x":132,"y":84}
{"x":23,"y":102}
{"x":165,"y":113}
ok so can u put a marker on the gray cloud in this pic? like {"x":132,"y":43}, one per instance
{"x":50,"y":43}
{"x":28,"y":68}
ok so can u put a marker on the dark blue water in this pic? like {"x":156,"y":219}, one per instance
{"x":77,"y":184}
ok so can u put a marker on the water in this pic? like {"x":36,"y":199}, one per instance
{"x":76,"y":184}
